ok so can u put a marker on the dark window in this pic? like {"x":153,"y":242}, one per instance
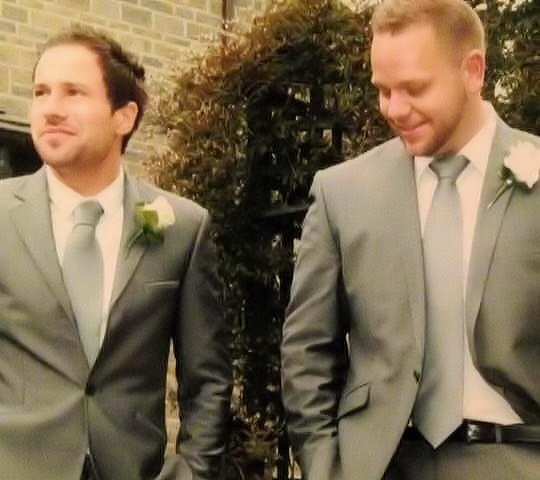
{"x":17,"y":153}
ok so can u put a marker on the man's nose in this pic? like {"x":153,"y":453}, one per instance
{"x":397,"y":106}
{"x":53,"y":106}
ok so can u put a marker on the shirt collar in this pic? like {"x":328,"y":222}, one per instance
{"x":64,"y":199}
{"x":476,"y":150}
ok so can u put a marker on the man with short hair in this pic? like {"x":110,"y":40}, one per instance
{"x":411,"y":343}
{"x":100,"y":271}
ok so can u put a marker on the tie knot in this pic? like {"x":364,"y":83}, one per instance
{"x":88,"y":213}
{"x":449,"y":167}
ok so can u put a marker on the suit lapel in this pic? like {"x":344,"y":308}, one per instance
{"x":414,"y":262}
{"x":488,"y":225}
{"x":32,"y":218}
{"x":128,"y":259}
{"x":407,"y":221}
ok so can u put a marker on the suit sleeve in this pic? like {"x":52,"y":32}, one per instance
{"x":202,"y":361}
{"x":314,"y":352}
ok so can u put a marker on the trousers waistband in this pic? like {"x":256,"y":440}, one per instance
{"x":483,"y":432}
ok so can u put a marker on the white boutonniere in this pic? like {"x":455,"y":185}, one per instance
{"x":520,"y":168}
{"x":152,"y":218}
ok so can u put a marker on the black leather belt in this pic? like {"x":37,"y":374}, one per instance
{"x":482,"y":432}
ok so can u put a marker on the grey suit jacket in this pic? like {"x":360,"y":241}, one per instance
{"x":353,"y":339}
{"x":53,"y":408}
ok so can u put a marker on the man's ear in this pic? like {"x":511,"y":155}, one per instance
{"x":474,"y":70}
{"x":125,"y":118}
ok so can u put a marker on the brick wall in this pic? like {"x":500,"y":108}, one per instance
{"x":160,"y":32}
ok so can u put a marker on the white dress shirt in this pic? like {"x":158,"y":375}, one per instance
{"x":108,"y":231}
{"x":481,"y":402}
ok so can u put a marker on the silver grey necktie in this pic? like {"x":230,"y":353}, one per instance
{"x":83,"y":276}
{"x":439,"y":406}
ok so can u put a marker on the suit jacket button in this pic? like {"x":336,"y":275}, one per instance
{"x":90,"y":389}
{"x":416,"y":374}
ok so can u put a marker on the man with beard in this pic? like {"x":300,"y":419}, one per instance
{"x":100,"y":272}
{"x":412,"y":338}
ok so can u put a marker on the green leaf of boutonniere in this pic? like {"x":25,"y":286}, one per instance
{"x":152,"y":219}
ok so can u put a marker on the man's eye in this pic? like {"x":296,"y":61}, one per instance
{"x":416,"y":90}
